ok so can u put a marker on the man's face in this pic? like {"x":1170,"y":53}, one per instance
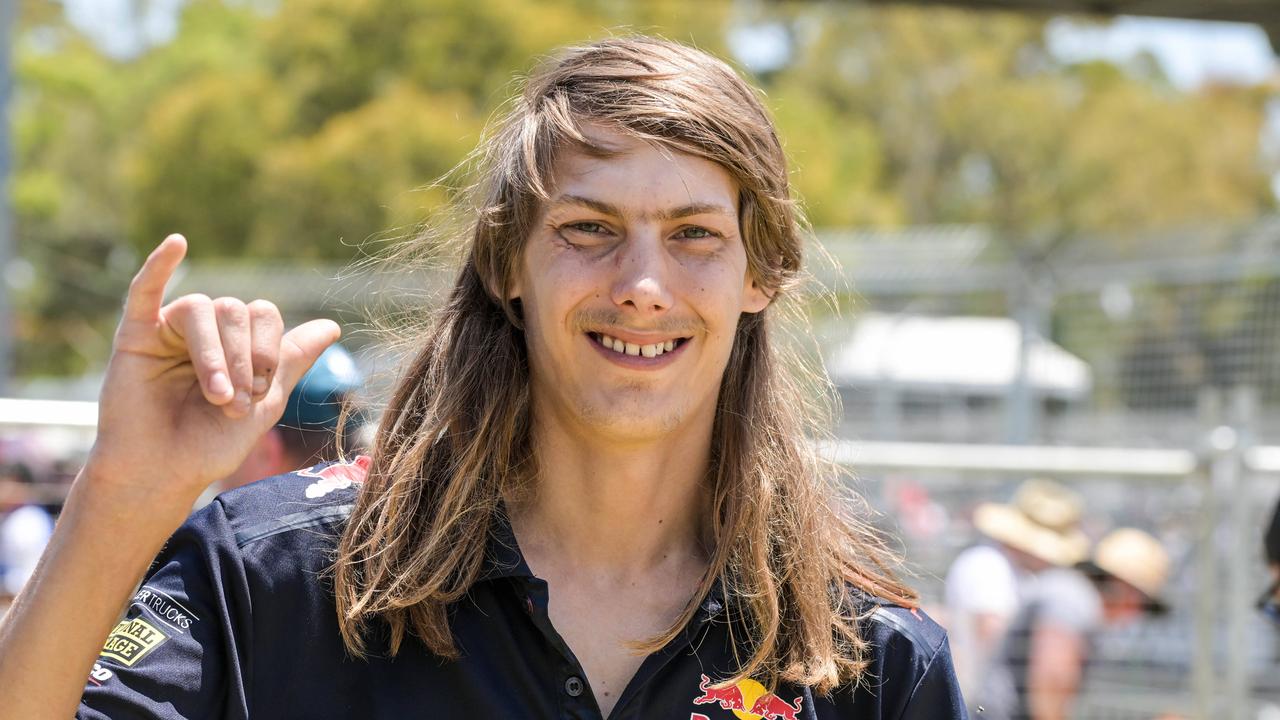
{"x":632,"y":284}
{"x":1121,"y":602}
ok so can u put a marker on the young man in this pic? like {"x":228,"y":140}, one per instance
{"x":591,"y":494}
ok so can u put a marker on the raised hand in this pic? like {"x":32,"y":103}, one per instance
{"x":192,"y":385}
{"x":189,"y":389}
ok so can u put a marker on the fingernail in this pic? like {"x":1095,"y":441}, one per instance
{"x":242,"y":399}
{"x":219,"y":384}
{"x":259,"y":385}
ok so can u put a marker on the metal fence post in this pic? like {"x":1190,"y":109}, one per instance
{"x":1203,"y":681}
{"x":1031,"y":305}
{"x":1235,"y":481}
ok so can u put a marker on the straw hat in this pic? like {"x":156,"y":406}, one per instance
{"x":1136,"y":558}
{"x":1043,"y":521}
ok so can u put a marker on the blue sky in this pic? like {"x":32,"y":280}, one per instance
{"x":1190,"y":52}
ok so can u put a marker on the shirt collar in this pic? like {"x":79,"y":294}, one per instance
{"x":502,"y":557}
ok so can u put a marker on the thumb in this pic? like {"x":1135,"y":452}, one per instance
{"x":300,"y":347}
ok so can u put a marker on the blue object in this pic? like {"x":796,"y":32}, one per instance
{"x":316,"y":401}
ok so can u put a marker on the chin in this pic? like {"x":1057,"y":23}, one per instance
{"x":630,"y":421}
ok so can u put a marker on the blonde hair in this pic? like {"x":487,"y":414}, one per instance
{"x":793,"y":561}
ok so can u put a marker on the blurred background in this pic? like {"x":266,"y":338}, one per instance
{"x":1052,"y":241}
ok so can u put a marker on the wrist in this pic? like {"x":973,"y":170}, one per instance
{"x":129,"y":507}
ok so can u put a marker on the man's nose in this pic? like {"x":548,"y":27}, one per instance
{"x":643,"y":279}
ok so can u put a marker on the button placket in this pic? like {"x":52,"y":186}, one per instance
{"x":574,"y":686}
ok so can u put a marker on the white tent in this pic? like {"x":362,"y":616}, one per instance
{"x":976,"y":356}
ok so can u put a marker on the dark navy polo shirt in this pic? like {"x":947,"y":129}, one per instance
{"x":236,"y":619}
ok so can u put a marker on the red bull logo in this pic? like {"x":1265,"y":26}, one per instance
{"x":336,"y":476}
{"x":747,"y":700}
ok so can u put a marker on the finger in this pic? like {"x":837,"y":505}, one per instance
{"x":300,"y":347}
{"x":233,"y":328}
{"x":146,"y":291}
{"x":193,"y":319}
{"x":266,"y":329}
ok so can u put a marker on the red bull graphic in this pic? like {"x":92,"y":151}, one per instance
{"x":729,"y":697}
{"x":336,"y":476}
{"x":747,"y":700}
{"x":772,"y":707}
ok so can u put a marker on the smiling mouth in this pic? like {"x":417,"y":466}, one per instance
{"x":625,"y":348}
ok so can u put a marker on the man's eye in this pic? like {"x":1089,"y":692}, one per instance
{"x":695,"y":233}
{"x":588,"y":227}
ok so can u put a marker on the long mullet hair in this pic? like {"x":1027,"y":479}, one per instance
{"x":792,"y":552}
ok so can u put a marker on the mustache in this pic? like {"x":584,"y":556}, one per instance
{"x":600,"y":319}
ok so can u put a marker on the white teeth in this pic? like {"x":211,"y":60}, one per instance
{"x":652,"y":350}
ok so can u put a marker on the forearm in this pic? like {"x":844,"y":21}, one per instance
{"x":103,"y":544}
{"x":1054,"y":673}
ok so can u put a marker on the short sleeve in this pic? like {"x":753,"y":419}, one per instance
{"x":981,"y":580}
{"x":937,"y":694}
{"x":178,"y":652}
{"x":910,"y":675}
{"x":1068,"y":599}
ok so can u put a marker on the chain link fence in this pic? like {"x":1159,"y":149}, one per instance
{"x":966,"y":364}
{"x":1143,"y":371}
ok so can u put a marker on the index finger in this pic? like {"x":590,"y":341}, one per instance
{"x":146,"y":292}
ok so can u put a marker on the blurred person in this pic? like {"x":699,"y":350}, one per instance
{"x":25,"y":528}
{"x":1043,"y":659}
{"x":307,"y":432}
{"x":1269,"y":602}
{"x":593,"y":492}
{"x":1040,"y":529}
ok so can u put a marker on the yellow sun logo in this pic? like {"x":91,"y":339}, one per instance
{"x":751,"y":692}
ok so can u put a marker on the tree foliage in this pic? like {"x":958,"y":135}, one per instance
{"x":299,"y":128}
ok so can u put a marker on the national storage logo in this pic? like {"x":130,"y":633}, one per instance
{"x":132,"y":640}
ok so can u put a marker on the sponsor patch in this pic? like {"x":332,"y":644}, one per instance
{"x":336,"y":476}
{"x":748,"y":700}
{"x":132,"y":640}
{"x":99,"y":674}
{"x":165,"y":608}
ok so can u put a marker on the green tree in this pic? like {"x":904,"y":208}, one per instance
{"x":301,"y":128}
{"x":366,"y":171}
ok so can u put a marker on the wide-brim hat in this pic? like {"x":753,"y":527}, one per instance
{"x":1043,"y":521}
{"x":1136,"y":558}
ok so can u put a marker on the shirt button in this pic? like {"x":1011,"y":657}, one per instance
{"x":574,"y":686}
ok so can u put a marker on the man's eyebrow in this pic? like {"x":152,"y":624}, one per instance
{"x":683,"y":211}
{"x":598,"y":205}
{"x":697,"y":208}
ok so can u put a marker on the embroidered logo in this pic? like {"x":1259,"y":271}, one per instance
{"x":100,"y":674}
{"x":747,"y":699}
{"x":132,"y":640}
{"x":336,"y":476}
{"x":165,"y":608}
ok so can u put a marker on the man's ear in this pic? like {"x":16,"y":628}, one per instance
{"x":755,"y":298}
{"x":515,"y":288}
{"x":493,"y":285}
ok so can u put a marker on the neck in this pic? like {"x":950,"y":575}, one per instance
{"x":612,"y":507}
